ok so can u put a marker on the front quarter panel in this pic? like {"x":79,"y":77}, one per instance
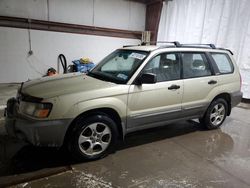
{"x":117,"y":103}
{"x":114,"y":97}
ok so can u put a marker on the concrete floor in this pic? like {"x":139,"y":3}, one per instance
{"x":177,"y":155}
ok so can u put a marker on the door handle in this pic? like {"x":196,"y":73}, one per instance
{"x":212,"y":82}
{"x":173,"y":87}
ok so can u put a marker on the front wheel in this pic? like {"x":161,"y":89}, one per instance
{"x":215,"y":114}
{"x":93,"y":137}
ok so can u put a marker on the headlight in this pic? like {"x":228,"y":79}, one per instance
{"x":39,"y":110}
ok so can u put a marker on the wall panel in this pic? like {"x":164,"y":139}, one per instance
{"x":17,"y":66}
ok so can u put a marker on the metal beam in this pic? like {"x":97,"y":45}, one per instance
{"x":26,"y":23}
{"x":148,"y":1}
{"x":153,"y":15}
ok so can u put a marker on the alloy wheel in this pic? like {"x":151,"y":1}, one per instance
{"x":217,"y":114}
{"x":94,"y":139}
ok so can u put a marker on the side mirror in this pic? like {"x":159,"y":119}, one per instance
{"x":147,"y":78}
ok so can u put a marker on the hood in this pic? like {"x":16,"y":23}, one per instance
{"x":52,"y":86}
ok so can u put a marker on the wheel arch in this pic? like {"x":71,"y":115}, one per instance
{"x":227,"y":98}
{"x":113,"y":114}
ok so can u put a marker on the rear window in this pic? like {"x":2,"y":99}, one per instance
{"x":195,"y":65}
{"x":223,"y":63}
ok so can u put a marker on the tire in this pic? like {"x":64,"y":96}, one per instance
{"x":93,"y":138}
{"x":215,"y":114}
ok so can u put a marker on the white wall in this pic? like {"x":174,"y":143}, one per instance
{"x":17,"y":66}
{"x":119,"y":14}
{"x":36,"y":9}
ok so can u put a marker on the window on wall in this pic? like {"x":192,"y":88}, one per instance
{"x":165,"y":66}
{"x":195,"y":65}
{"x":223,"y":63}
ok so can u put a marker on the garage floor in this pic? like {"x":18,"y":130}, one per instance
{"x":177,"y":155}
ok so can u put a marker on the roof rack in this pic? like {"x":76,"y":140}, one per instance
{"x":226,"y":50}
{"x":205,"y":46}
{"x":199,"y":45}
{"x":131,"y":45}
{"x":175,"y":43}
{"x":179,"y":45}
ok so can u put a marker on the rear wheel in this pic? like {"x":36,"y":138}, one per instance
{"x":215,"y":114}
{"x":93,"y":137}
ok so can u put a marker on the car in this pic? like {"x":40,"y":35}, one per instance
{"x":133,"y":88}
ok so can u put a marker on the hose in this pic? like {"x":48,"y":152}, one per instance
{"x":63,"y":61}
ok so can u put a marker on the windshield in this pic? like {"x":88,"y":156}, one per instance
{"x":119,"y":66}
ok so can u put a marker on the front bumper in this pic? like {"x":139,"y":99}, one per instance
{"x":37,"y":132}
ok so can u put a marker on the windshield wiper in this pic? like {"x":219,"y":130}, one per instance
{"x":100,"y":77}
{"x":92,"y":75}
{"x":104,"y":78}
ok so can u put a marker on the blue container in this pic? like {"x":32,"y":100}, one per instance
{"x":83,"y":67}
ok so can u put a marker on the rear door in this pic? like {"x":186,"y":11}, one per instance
{"x":199,"y":81}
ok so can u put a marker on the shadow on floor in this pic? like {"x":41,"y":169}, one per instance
{"x":160,"y":133}
{"x":17,"y":157}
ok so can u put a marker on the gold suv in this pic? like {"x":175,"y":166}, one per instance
{"x":133,"y":88}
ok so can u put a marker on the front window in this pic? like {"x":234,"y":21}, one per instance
{"x":165,"y":66}
{"x":119,"y":66}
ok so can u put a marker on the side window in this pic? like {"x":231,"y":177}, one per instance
{"x":195,"y":65}
{"x":165,"y":66}
{"x":223,"y":62}
{"x":152,"y":64}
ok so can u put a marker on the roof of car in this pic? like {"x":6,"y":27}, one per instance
{"x":170,"y":46}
